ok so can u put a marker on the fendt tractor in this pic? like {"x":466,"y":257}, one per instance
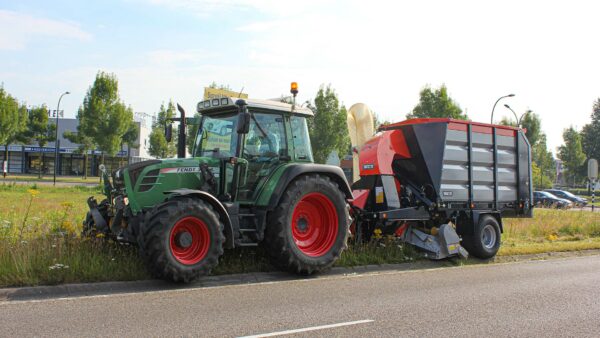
{"x":439,"y":184}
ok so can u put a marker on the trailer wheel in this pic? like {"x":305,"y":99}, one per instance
{"x":308,"y":230}
{"x":181,"y":239}
{"x":485,"y":241}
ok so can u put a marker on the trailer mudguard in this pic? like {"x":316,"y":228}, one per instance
{"x":293,"y":171}
{"x":215,"y":203}
{"x":476,"y":215}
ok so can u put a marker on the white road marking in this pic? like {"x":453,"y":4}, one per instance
{"x":312,"y":328}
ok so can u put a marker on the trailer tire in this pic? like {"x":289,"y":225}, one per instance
{"x":485,"y":240}
{"x":308,"y":230}
{"x":181,"y":239}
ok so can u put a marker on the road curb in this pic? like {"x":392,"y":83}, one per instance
{"x":106,"y":288}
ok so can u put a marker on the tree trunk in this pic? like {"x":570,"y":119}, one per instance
{"x":85,"y":164}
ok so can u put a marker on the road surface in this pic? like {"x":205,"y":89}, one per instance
{"x":558,"y":297}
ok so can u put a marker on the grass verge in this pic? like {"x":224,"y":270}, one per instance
{"x":39,"y":242}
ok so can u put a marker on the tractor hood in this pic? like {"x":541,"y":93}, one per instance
{"x":147,"y":183}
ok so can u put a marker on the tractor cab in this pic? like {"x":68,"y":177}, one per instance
{"x":253,"y":136}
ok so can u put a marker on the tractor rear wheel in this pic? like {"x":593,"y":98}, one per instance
{"x":308,"y":230}
{"x":181,"y":239}
{"x":485,"y":241}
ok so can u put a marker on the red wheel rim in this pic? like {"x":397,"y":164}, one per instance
{"x":314,"y":224}
{"x":195,"y":246}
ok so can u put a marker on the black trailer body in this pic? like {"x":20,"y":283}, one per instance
{"x":428,"y":172}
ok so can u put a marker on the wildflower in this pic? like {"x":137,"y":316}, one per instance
{"x":58,"y":266}
{"x":67,"y":205}
{"x":552,"y":237}
{"x":33,"y":192}
{"x":377,"y":233}
{"x":99,"y":235}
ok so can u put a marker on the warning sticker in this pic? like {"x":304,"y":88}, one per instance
{"x":379,"y":195}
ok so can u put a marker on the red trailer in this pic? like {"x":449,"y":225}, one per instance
{"x":443,"y":185}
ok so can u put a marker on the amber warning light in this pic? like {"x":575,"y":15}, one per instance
{"x":294,"y":88}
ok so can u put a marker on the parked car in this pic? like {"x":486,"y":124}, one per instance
{"x":578,"y":201}
{"x":548,"y":200}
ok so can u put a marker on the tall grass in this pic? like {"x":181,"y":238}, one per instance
{"x":40,"y":242}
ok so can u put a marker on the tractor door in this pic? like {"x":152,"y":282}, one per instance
{"x":265,"y":148}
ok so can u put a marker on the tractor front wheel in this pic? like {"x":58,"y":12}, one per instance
{"x":308,"y":230}
{"x":181,"y":239}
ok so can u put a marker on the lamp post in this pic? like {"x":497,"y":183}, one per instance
{"x":519,"y":119}
{"x":56,"y":138}
{"x":500,"y":98}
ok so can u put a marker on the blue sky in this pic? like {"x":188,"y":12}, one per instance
{"x":378,"y":52}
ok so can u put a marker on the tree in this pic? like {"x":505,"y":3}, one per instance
{"x":159,"y":147}
{"x":544,"y":162}
{"x":328,"y":129}
{"x":105,"y":118}
{"x":436,"y":103}
{"x":533,"y":125}
{"x":377,"y":123}
{"x":85,"y":142}
{"x":571,"y":154}
{"x":590,"y":134}
{"x":13,"y":121}
{"x":40,"y":131}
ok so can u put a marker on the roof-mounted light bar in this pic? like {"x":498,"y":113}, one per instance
{"x":216,"y":102}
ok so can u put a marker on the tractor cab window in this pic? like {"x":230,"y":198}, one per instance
{"x":265,"y":148}
{"x":302,"y":147}
{"x":217,"y":137}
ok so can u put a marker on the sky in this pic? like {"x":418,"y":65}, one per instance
{"x":381,"y":53}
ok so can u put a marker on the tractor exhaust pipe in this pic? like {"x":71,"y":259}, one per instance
{"x":181,"y":142}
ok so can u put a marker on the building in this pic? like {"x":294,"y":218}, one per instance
{"x":26,"y":159}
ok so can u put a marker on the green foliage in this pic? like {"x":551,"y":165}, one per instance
{"x":436,"y":103}
{"x":533,"y":124}
{"x":85,"y":142}
{"x":590,"y":134}
{"x":39,"y":130}
{"x":159,"y":147}
{"x":328,"y":130}
{"x":12,"y":118}
{"x":377,"y":123}
{"x":571,"y":154}
{"x":106,"y":120}
{"x":544,"y":161}
{"x":541,"y":180}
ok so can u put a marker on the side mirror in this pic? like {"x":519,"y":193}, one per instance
{"x":243,"y":125}
{"x":169,"y":132}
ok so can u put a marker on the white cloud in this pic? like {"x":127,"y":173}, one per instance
{"x":19,"y":29}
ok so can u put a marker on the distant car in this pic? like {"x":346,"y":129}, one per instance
{"x":548,"y":200}
{"x":578,"y":201}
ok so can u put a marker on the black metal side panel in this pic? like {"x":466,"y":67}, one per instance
{"x":415,"y":168}
{"x":432,"y":138}
{"x":455,"y":184}
{"x":525,"y":190}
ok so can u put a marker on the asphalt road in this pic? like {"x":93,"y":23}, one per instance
{"x":558,"y":297}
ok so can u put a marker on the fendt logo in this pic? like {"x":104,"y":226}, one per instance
{"x":179,"y":170}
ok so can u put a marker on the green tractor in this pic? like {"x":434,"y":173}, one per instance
{"x":250,"y":180}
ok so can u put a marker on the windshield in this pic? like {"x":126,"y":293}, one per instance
{"x":216,"y":137}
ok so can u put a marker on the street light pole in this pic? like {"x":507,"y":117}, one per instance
{"x":56,"y":138}
{"x":515,"y":114}
{"x":500,"y":98}
{"x":519,"y":119}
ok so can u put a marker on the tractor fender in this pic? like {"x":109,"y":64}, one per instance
{"x":476,"y":215}
{"x":215,"y":203}
{"x":294,"y":171}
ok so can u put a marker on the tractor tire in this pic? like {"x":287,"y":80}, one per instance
{"x":181,"y":240}
{"x":485,"y":241}
{"x":308,"y":230}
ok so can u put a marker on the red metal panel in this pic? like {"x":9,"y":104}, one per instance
{"x":376,"y":156}
{"x":360,"y":198}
